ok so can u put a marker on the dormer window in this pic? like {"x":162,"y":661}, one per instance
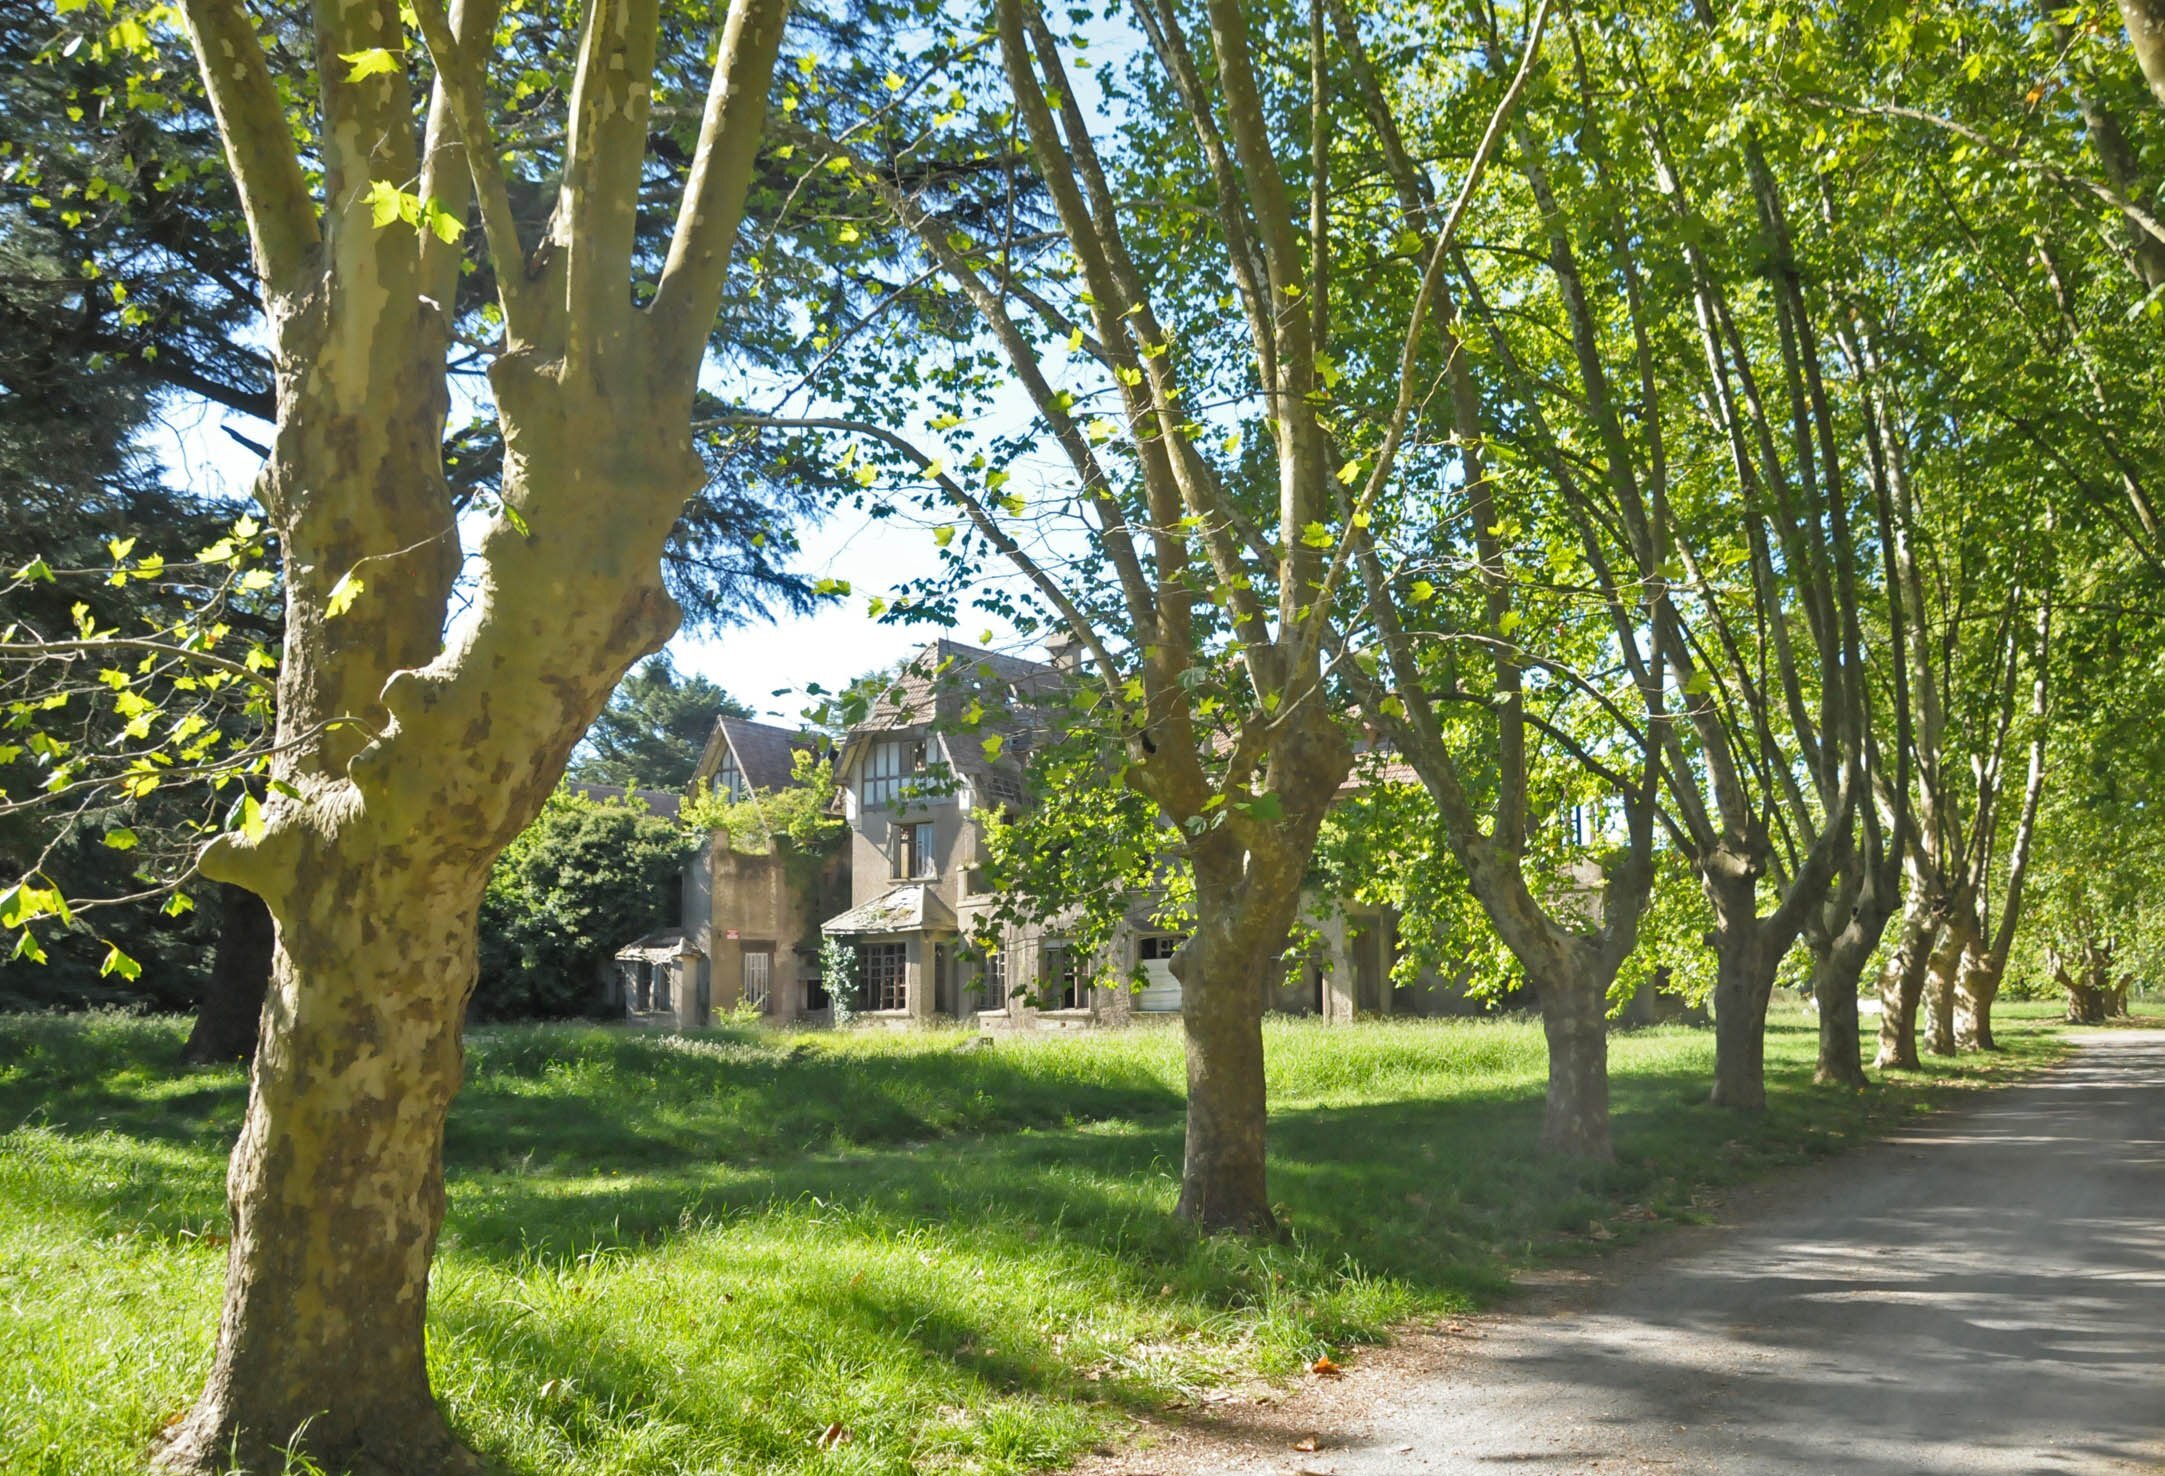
{"x":892,"y":765}
{"x":729,"y":779}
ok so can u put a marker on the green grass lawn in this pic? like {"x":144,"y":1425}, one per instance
{"x":695,"y":1255}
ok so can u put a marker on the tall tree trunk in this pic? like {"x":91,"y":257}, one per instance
{"x":1243,"y":915}
{"x":231,"y":1010}
{"x":1901,"y":989}
{"x":336,"y":1187}
{"x":1835,"y":974}
{"x":1743,"y":983}
{"x":1946,"y":968}
{"x":2086,"y":1005}
{"x":1575,"y":1018}
{"x":1975,"y":989}
{"x":1839,"y":967}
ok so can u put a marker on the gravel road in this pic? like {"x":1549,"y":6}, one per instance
{"x":1983,"y":1294}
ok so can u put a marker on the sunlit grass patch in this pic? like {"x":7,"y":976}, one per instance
{"x":868,"y":1252}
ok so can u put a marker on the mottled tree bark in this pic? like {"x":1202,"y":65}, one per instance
{"x":1743,"y":983}
{"x":1835,"y":975}
{"x":1945,"y":969}
{"x":1901,"y":986}
{"x":337,"y":1183}
{"x":231,"y":1009}
{"x":1575,"y":1021}
{"x":1222,"y":967}
{"x":2146,"y":35}
{"x":1976,"y":987}
{"x":406,"y":763}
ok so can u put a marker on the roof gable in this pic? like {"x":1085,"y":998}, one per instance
{"x":766,"y":755}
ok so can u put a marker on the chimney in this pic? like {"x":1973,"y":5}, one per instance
{"x":1066,"y":651}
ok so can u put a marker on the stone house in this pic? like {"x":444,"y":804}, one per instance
{"x":906,"y":891}
{"x":752,"y":904}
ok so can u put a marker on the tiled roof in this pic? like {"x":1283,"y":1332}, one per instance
{"x":909,"y":908}
{"x":766,"y":755}
{"x":939,"y":681}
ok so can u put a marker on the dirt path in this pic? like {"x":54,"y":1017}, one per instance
{"x":1985,"y":1294}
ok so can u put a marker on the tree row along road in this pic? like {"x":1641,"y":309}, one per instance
{"x":1983,"y":1295}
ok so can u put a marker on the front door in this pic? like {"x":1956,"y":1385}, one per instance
{"x":944,"y":1000}
{"x":759,"y":977}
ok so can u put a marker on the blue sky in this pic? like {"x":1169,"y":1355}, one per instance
{"x":839,"y":642}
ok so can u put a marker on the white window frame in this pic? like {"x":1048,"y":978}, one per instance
{"x":891,"y":767}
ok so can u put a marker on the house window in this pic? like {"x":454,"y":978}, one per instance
{"x":995,"y":981}
{"x":892,"y":765}
{"x":1065,"y":986}
{"x":758,"y":977}
{"x":914,"y":850}
{"x":883,"y":969}
{"x":1158,"y":947}
{"x":730,"y":779}
{"x":661,"y":986}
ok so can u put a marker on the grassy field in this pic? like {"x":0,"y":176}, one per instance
{"x":695,"y":1255}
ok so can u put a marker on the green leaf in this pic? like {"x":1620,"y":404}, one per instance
{"x":120,"y":838}
{"x":376,"y":61}
{"x":993,"y":743}
{"x":27,"y":949}
{"x":343,"y":594}
{"x":1315,"y":535}
{"x":384,"y":199}
{"x":943,"y":535}
{"x":448,"y":227}
{"x":119,"y":963}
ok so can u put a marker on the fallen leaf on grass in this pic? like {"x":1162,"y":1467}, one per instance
{"x":1324,"y":1368}
{"x":834,"y":1435}
{"x":1307,"y":1444}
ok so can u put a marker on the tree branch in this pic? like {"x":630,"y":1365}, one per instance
{"x":259,"y":147}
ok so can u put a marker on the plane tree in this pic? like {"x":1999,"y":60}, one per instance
{"x":1185,"y":524}
{"x":410,"y":747}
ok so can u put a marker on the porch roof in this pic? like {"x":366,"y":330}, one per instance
{"x":912,"y":907}
{"x":660,"y":947}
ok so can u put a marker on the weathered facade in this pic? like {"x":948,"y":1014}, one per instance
{"x":752,"y":903}
{"x":906,"y":892}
